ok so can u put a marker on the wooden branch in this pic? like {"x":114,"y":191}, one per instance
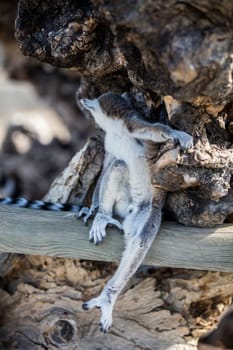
{"x":58,"y":234}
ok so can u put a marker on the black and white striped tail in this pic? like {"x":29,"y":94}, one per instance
{"x":38,"y":204}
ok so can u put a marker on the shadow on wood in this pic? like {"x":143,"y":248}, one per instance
{"x":57,"y":234}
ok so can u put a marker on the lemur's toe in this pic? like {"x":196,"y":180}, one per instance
{"x":116,"y":223}
{"x":96,"y":236}
{"x":90,"y":304}
{"x":85,"y":306}
{"x":97,"y":232}
{"x":83,"y":211}
{"x":104,"y":330}
{"x":105,"y":324}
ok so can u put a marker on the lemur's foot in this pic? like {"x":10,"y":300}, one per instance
{"x":86,"y":213}
{"x":98,"y":229}
{"x":185,"y":140}
{"x":106,"y":307}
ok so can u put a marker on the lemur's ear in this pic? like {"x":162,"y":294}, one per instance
{"x":90,"y":105}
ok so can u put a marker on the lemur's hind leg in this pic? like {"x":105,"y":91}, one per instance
{"x":113,"y":191}
{"x":86,"y":212}
{"x":137,"y":247}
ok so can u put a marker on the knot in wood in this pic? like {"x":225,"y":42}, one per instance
{"x":60,"y":329}
{"x":62,"y":332}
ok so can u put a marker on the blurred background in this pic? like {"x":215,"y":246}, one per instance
{"x":41,"y":126}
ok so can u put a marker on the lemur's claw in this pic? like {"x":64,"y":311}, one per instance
{"x":83,"y":211}
{"x":103,"y":329}
{"x":105,"y":324}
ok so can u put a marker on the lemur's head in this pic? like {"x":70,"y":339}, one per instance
{"x":110,"y":105}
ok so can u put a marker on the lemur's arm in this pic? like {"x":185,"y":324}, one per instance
{"x":157,"y":132}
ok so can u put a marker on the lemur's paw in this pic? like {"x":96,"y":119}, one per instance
{"x":106,"y":311}
{"x":95,"y":302}
{"x":185,"y":140}
{"x":105,"y":323}
{"x":86,"y":213}
{"x":98,"y":229}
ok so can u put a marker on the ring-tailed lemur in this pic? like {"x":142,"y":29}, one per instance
{"x":124,"y":190}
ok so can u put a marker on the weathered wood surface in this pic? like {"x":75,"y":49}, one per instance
{"x":58,"y":234}
{"x":41,"y":306}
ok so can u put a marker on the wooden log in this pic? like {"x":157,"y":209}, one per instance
{"x":58,"y":234}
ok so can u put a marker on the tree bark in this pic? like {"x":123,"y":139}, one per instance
{"x":174,"y":59}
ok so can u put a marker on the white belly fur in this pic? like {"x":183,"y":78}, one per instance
{"x":122,"y":146}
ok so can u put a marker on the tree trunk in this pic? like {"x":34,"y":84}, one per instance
{"x":175,"y":60}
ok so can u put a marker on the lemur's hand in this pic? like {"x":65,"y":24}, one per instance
{"x":98,"y":229}
{"x":185,"y":140}
{"x":87,"y":213}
